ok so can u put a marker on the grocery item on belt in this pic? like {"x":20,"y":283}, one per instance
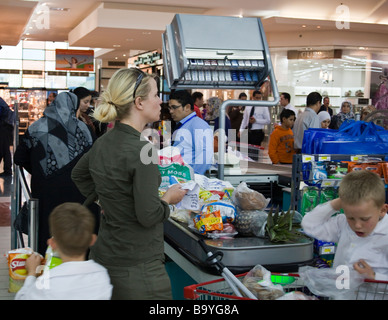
{"x":249,"y":199}
{"x":208,"y":222}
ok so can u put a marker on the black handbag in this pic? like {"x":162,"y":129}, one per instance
{"x":21,"y":221}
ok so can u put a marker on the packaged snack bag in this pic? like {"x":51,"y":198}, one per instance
{"x":208,"y":222}
{"x":17,"y":268}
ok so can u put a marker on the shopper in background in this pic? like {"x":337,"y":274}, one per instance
{"x":235,"y":114}
{"x":281,"y":140}
{"x":48,"y":150}
{"x":361,"y":232}
{"x":86,"y":102}
{"x":7,"y":121}
{"x":366,"y":111}
{"x":285,"y":102}
{"x":71,"y":228}
{"x":192,"y":135}
{"x":198,"y":103}
{"x":213,"y":114}
{"x":84,"y":98}
{"x":344,"y":114}
{"x":326,"y":106}
{"x":50,"y":98}
{"x":114,"y":172}
{"x":324,"y":119}
{"x":307,"y":119}
{"x":255,"y":119}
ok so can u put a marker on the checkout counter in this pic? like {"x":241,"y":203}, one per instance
{"x":228,"y":53}
{"x":239,"y":254}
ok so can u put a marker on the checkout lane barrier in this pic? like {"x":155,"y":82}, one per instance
{"x":21,"y":193}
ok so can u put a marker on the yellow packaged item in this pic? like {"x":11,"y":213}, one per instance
{"x":208,"y":222}
{"x":17,"y":267}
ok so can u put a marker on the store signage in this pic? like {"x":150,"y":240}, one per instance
{"x":314,"y":54}
{"x":148,"y":59}
{"x":80,"y":60}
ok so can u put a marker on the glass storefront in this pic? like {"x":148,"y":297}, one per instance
{"x":352,"y":75}
{"x":31,"y":64}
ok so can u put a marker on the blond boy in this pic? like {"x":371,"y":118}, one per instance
{"x":71,"y":226}
{"x":361,"y":233}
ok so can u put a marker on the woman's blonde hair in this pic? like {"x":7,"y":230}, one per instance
{"x":116,"y":101}
{"x":362,"y":185}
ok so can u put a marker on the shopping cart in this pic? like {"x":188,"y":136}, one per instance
{"x":220,"y":290}
{"x":248,"y":150}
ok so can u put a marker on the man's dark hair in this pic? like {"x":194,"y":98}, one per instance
{"x":256,"y":92}
{"x":313,"y":98}
{"x":183,"y":97}
{"x":286,"y":96}
{"x":242,"y":94}
{"x":286,"y":113}
{"x":196,"y":95}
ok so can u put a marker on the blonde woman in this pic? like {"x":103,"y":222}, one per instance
{"x":130,"y":241}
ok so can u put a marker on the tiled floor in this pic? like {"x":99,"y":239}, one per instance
{"x":5,"y":235}
{"x":5,"y":246}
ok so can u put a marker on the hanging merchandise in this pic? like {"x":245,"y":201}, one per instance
{"x":309,"y":199}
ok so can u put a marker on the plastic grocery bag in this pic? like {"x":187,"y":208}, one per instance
{"x":339,"y":283}
{"x":249,"y":199}
{"x":353,"y":137}
{"x":258,"y":281}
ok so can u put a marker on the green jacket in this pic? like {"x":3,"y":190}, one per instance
{"x":131,"y":230}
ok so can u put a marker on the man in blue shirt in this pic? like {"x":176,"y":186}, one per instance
{"x":192,"y":135}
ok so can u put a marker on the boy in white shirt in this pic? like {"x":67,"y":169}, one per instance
{"x":71,"y":226}
{"x":362,"y":232}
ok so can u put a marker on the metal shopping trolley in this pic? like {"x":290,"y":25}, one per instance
{"x":291,"y":282}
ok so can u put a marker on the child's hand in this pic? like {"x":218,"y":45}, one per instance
{"x":363,"y":268}
{"x":32,"y":263}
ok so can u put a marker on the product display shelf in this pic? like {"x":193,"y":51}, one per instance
{"x":298,"y":180}
{"x":28,"y":103}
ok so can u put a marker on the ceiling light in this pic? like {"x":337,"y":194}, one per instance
{"x":303,"y":26}
{"x":318,"y":27}
{"x":116,"y":46}
{"x":59,"y":9}
{"x":146,"y":32}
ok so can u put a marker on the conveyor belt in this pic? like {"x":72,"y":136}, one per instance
{"x":241,"y":253}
